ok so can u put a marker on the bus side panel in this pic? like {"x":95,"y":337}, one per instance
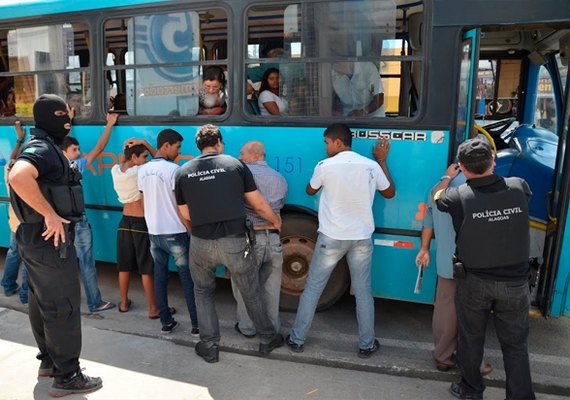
{"x":560,"y":297}
{"x":394,"y":270}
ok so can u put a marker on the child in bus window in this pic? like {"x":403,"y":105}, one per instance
{"x":213,"y":93}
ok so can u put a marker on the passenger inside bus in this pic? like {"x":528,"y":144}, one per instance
{"x":75,"y":101}
{"x":270,"y":102}
{"x":9,"y":106}
{"x":213,"y":93}
{"x":359,"y":89}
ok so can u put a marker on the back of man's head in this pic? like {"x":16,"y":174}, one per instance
{"x":252,"y":151}
{"x":475,"y":155}
{"x":169,"y":136}
{"x":208,"y":136}
{"x":341,"y":132}
{"x":136,"y":150}
{"x":68,"y":141}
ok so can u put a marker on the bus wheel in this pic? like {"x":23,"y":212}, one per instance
{"x":298,"y":238}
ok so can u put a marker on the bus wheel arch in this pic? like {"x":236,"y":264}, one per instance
{"x":298,"y":238}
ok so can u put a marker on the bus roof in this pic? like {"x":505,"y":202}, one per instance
{"x":26,"y":8}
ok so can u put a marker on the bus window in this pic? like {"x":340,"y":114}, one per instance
{"x":158,"y":59}
{"x":44,"y":59}
{"x":335,"y":59}
{"x":545,"y":115}
{"x":497,"y":88}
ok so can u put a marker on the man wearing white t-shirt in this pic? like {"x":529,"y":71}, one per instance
{"x":349,"y":182}
{"x":168,"y":231}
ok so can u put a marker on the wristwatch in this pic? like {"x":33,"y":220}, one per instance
{"x":445,"y":177}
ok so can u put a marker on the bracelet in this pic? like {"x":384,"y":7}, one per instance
{"x":445,"y":177}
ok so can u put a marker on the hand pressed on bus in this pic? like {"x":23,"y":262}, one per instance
{"x":380,"y":150}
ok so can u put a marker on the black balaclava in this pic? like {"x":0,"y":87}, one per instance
{"x":44,"y":108}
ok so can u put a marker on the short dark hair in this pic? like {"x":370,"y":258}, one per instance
{"x":475,"y":155}
{"x":68,"y":141}
{"x":208,"y":135}
{"x":339,"y":131}
{"x":136,"y":150}
{"x":215,"y":73}
{"x":169,"y":136}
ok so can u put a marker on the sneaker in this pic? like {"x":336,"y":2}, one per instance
{"x":366,"y":353}
{"x":195,"y":332}
{"x":236,"y":327}
{"x":277,"y":341}
{"x":209,"y":354}
{"x":459,"y":392}
{"x":297,"y":348}
{"x":104,"y":305}
{"x":166,"y":329}
{"x":46,"y":368}
{"x":76,"y":383}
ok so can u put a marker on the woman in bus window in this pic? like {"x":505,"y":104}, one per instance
{"x":213,"y":93}
{"x":269,"y":101}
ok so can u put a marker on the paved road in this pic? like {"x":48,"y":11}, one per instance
{"x":136,"y":361}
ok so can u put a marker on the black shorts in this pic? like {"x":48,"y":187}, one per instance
{"x":133,"y":246}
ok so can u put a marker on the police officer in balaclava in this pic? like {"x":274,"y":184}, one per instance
{"x":43,"y":194}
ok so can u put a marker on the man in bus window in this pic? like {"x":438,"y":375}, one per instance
{"x":491,"y":213}
{"x":211,"y":191}
{"x":359,"y":89}
{"x":268,"y":253}
{"x":45,"y":241}
{"x":348,"y":182}
{"x":83,"y":235}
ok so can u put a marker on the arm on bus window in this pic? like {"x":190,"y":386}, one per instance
{"x":272,"y":108}
{"x":380,"y":152}
{"x":103,"y":139}
{"x":21,"y":133}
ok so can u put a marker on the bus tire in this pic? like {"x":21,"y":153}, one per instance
{"x":298,"y":238}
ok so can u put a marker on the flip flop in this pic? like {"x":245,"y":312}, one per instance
{"x":128,"y":306}
{"x":172,"y":312}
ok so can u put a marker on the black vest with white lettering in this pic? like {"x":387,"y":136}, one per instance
{"x":495,"y":228}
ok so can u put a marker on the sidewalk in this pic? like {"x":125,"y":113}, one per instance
{"x":403,"y":329}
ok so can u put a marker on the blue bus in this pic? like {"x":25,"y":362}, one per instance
{"x":444,"y":68}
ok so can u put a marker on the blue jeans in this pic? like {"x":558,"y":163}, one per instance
{"x":84,"y":248}
{"x":327,"y":254}
{"x":475,"y":298}
{"x":12,"y":265}
{"x":161,"y":247}
{"x":269,"y":256}
{"x":205,"y":256}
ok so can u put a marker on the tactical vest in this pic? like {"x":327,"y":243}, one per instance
{"x":64,"y":193}
{"x":495,"y":228}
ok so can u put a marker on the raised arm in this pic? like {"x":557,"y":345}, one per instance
{"x":380,"y":152}
{"x":104,"y":138}
{"x":135,"y":142}
{"x":21,"y":133}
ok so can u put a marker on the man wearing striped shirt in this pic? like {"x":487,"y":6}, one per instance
{"x":267,"y":249}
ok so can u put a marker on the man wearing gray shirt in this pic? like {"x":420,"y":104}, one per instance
{"x":267,"y":249}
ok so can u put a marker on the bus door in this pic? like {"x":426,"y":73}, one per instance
{"x":552,"y":291}
{"x":466,"y":97}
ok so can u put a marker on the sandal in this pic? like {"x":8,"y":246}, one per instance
{"x":128,"y":306}
{"x":172,"y":312}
